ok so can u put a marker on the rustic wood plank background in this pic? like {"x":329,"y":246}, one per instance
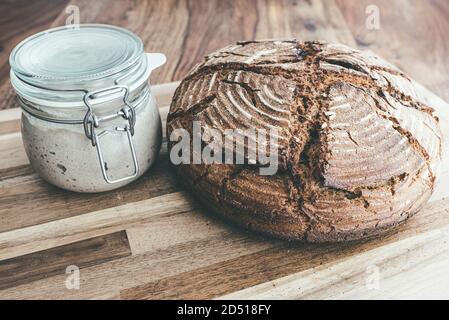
{"x":151,"y":239}
{"x":413,"y":33}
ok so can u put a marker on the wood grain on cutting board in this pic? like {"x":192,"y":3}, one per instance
{"x":175,"y":249}
{"x":152,"y":240}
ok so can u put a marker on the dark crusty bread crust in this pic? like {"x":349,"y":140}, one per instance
{"x":345,"y":171}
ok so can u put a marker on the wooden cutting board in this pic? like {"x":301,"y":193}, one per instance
{"x":151,"y":240}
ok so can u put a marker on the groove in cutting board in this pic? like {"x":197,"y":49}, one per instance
{"x":47,"y":263}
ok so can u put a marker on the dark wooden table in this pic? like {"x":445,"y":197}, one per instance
{"x":413,"y":33}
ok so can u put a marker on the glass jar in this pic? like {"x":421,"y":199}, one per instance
{"x":89,"y":120}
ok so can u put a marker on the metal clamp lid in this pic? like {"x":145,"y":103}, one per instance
{"x":92,"y":122}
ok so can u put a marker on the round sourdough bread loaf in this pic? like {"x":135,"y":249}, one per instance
{"x":358,"y":143}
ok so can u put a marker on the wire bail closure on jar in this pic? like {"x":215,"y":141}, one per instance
{"x":92,"y":121}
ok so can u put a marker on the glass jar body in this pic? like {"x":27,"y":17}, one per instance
{"x":63,"y":155}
